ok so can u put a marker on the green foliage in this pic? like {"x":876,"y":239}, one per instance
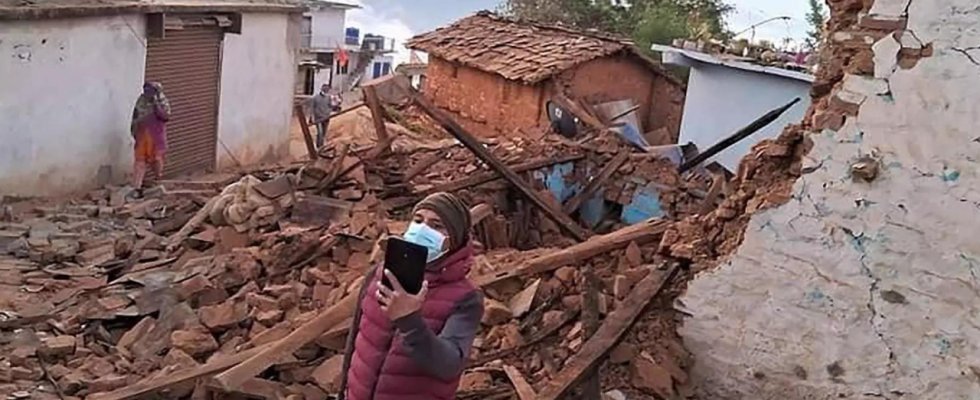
{"x":815,"y":18}
{"x":646,"y":21}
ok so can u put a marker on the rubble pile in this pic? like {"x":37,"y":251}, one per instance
{"x":114,"y":288}
{"x":765,"y":179}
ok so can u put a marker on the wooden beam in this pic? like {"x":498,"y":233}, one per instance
{"x":486,"y":178}
{"x":307,"y":136}
{"x":523,"y":389}
{"x":591,"y":387}
{"x":142,"y":389}
{"x":378,"y":116}
{"x":587,"y":118}
{"x":424,"y":164}
{"x":643,"y":232}
{"x":566,"y":224}
{"x":348,"y":109}
{"x":612,"y":329}
{"x":234,"y":377}
{"x":593,"y":186}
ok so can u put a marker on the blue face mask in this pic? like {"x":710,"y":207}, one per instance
{"x":422,"y":235}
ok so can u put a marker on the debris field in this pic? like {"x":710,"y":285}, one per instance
{"x":243,"y":285}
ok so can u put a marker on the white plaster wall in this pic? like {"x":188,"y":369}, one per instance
{"x":876,"y":283}
{"x":328,"y":28}
{"x":67,"y":88}
{"x":722,"y":100}
{"x":257,"y":76}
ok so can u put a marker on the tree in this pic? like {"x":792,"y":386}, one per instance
{"x":645,"y":21}
{"x":815,"y":18}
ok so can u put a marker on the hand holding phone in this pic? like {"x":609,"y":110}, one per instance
{"x":396,"y":302}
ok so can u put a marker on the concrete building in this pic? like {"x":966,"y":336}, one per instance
{"x":496,"y":75}
{"x":855,"y":288}
{"x":725,"y":95}
{"x":324,"y":36}
{"x":71,"y":74}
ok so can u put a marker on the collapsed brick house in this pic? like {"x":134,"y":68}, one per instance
{"x":497,"y":74}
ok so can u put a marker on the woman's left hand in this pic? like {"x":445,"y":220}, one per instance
{"x":396,"y":302}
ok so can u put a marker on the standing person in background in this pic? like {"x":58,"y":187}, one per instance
{"x":149,"y":129}
{"x":324,"y":104}
{"x":414,"y":347}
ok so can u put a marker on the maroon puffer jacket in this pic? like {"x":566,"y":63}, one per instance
{"x":380,"y":368}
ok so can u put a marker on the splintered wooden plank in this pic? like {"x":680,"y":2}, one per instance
{"x":307,"y":136}
{"x":593,"y":186}
{"x":606,"y":337}
{"x":377,"y":116}
{"x":641,"y":233}
{"x":234,"y":377}
{"x":564,"y":222}
{"x":142,"y":389}
{"x":523,"y":389}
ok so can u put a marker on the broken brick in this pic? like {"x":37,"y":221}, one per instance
{"x":196,"y":342}
{"x":106,"y":384}
{"x":268,"y":318}
{"x":475,"y":381}
{"x":25,"y":373}
{"x":566,"y":275}
{"x":179,"y":358}
{"x":649,"y":377}
{"x":19,"y":356}
{"x":262,"y":302}
{"x":633,"y":255}
{"x":223,"y":316}
{"x":329,"y":374}
{"x":495,"y":312}
{"x":58,"y":346}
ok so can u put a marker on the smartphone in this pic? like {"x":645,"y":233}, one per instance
{"x":406,"y":261}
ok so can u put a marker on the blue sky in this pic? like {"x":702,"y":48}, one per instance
{"x":402,"y":19}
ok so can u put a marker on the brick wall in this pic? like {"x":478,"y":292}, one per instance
{"x":623,"y":77}
{"x":485,"y":104}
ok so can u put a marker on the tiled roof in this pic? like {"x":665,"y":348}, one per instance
{"x":43,"y":9}
{"x":517,"y":50}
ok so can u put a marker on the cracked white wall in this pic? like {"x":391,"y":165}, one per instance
{"x":864,"y":290}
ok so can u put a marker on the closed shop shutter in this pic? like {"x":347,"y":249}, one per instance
{"x":188,"y":64}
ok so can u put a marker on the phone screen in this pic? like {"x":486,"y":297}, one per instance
{"x":407,"y":262}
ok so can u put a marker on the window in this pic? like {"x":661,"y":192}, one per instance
{"x":306,"y":32}
{"x":325,"y":59}
{"x":385,"y":68}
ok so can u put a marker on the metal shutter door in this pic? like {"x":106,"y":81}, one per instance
{"x":188,"y":64}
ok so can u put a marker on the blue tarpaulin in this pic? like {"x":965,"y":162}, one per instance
{"x":645,"y":205}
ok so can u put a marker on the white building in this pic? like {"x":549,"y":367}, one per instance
{"x":724,"y":96}
{"x":323,"y":38}
{"x":70,"y":76}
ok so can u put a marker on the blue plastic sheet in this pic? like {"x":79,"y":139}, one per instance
{"x":644,"y":205}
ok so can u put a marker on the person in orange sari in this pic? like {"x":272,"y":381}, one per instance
{"x":149,"y":129}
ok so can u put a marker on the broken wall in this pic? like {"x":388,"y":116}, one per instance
{"x":622,"y":77}
{"x":485,"y":104}
{"x":857,"y":289}
{"x":58,"y":126}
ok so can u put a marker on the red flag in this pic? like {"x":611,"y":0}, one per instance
{"x":342,"y":57}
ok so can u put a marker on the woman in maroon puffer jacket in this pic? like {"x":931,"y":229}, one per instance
{"x":410,"y":347}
